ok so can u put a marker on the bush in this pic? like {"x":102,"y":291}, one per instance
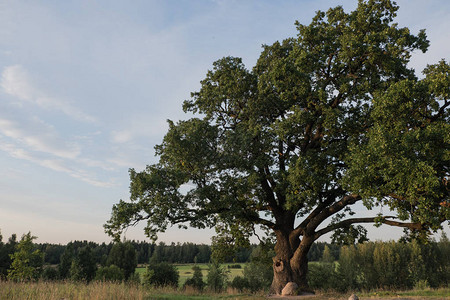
{"x":322,"y":276}
{"x":111,"y":273}
{"x":237,"y":266}
{"x":392,"y":265}
{"x":50,"y":274}
{"x":123,"y":255}
{"x":27,"y":261}
{"x":161,"y":274}
{"x":217,"y":278}
{"x":197,"y":279}
{"x":259,"y":276}
{"x":134,"y":278}
{"x":240,"y":283}
{"x":83,"y":267}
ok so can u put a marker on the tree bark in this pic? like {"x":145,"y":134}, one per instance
{"x":299,"y":263}
{"x":290,"y":263}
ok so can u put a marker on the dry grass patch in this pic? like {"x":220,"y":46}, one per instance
{"x":70,"y":290}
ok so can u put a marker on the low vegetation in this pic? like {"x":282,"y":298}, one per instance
{"x":380,"y":268}
{"x":70,"y":290}
{"x":107,"y":290}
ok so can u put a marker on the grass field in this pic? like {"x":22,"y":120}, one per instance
{"x":119,"y":291}
{"x":105,"y":290}
{"x":186,"y":272}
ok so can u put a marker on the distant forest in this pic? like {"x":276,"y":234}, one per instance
{"x":176,"y":253}
{"x":394,"y":265}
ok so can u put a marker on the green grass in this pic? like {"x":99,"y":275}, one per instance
{"x":429,"y":293}
{"x":186,"y":272}
{"x":170,"y":294}
{"x":106,"y":290}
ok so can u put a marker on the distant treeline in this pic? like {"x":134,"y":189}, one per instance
{"x":384,"y":265}
{"x":179,"y":253}
{"x":367,"y":266}
{"x":173,"y":253}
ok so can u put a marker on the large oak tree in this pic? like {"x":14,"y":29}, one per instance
{"x":326,"y":120}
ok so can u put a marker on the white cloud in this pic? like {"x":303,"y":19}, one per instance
{"x":58,"y":165}
{"x":38,"y":136}
{"x":35,"y":141}
{"x":121,"y":137}
{"x":96,"y":164}
{"x":16,"y":82}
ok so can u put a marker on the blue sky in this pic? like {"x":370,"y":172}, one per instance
{"x":86,"y":88}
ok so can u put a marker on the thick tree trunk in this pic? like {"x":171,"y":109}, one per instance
{"x":290,"y":264}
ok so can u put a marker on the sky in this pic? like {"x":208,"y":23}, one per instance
{"x":86,"y":88}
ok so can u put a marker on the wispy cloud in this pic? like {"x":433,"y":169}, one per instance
{"x":35,"y":141}
{"x":16,"y":82}
{"x":38,"y":136}
{"x":55,"y":164}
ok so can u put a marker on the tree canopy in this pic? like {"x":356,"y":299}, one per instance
{"x":323,"y":121}
{"x":27,"y":261}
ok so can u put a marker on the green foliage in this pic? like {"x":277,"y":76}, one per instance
{"x":348,"y":268}
{"x":317,"y":249}
{"x":27,"y":261}
{"x":324,"y":120}
{"x":123,"y":255}
{"x":235,"y":266}
{"x":327,"y":256}
{"x":197,"y":279}
{"x":322,"y":276}
{"x":406,"y":150}
{"x":311,"y":121}
{"x":240,"y":283}
{"x":349,"y":235}
{"x":52,"y":253}
{"x":6,"y":249}
{"x":83,"y":266}
{"x":217,"y":277}
{"x":259,"y":272}
{"x":392,"y":265}
{"x":180,"y":253}
{"x":110,"y":273}
{"x":50,"y":273}
{"x":161,"y":274}
{"x":384,"y":265}
{"x":66,"y":261}
{"x":230,"y":239}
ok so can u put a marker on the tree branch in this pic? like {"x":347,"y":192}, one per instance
{"x":332,"y":195}
{"x":384,"y":220}
{"x":336,"y":207}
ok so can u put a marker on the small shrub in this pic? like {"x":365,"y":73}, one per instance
{"x":27,"y":261}
{"x":124,"y":256}
{"x":237,"y":266}
{"x":240,"y":283}
{"x":216,"y":277}
{"x":83,"y":266}
{"x":134,"y":278}
{"x":50,"y":274}
{"x":421,"y":285}
{"x":322,"y":276}
{"x":259,"y":275}
{"x":259,"y":272}
{"x":196,"y":281}
{"x":161,"y":274}
{"x":111,"y":273}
